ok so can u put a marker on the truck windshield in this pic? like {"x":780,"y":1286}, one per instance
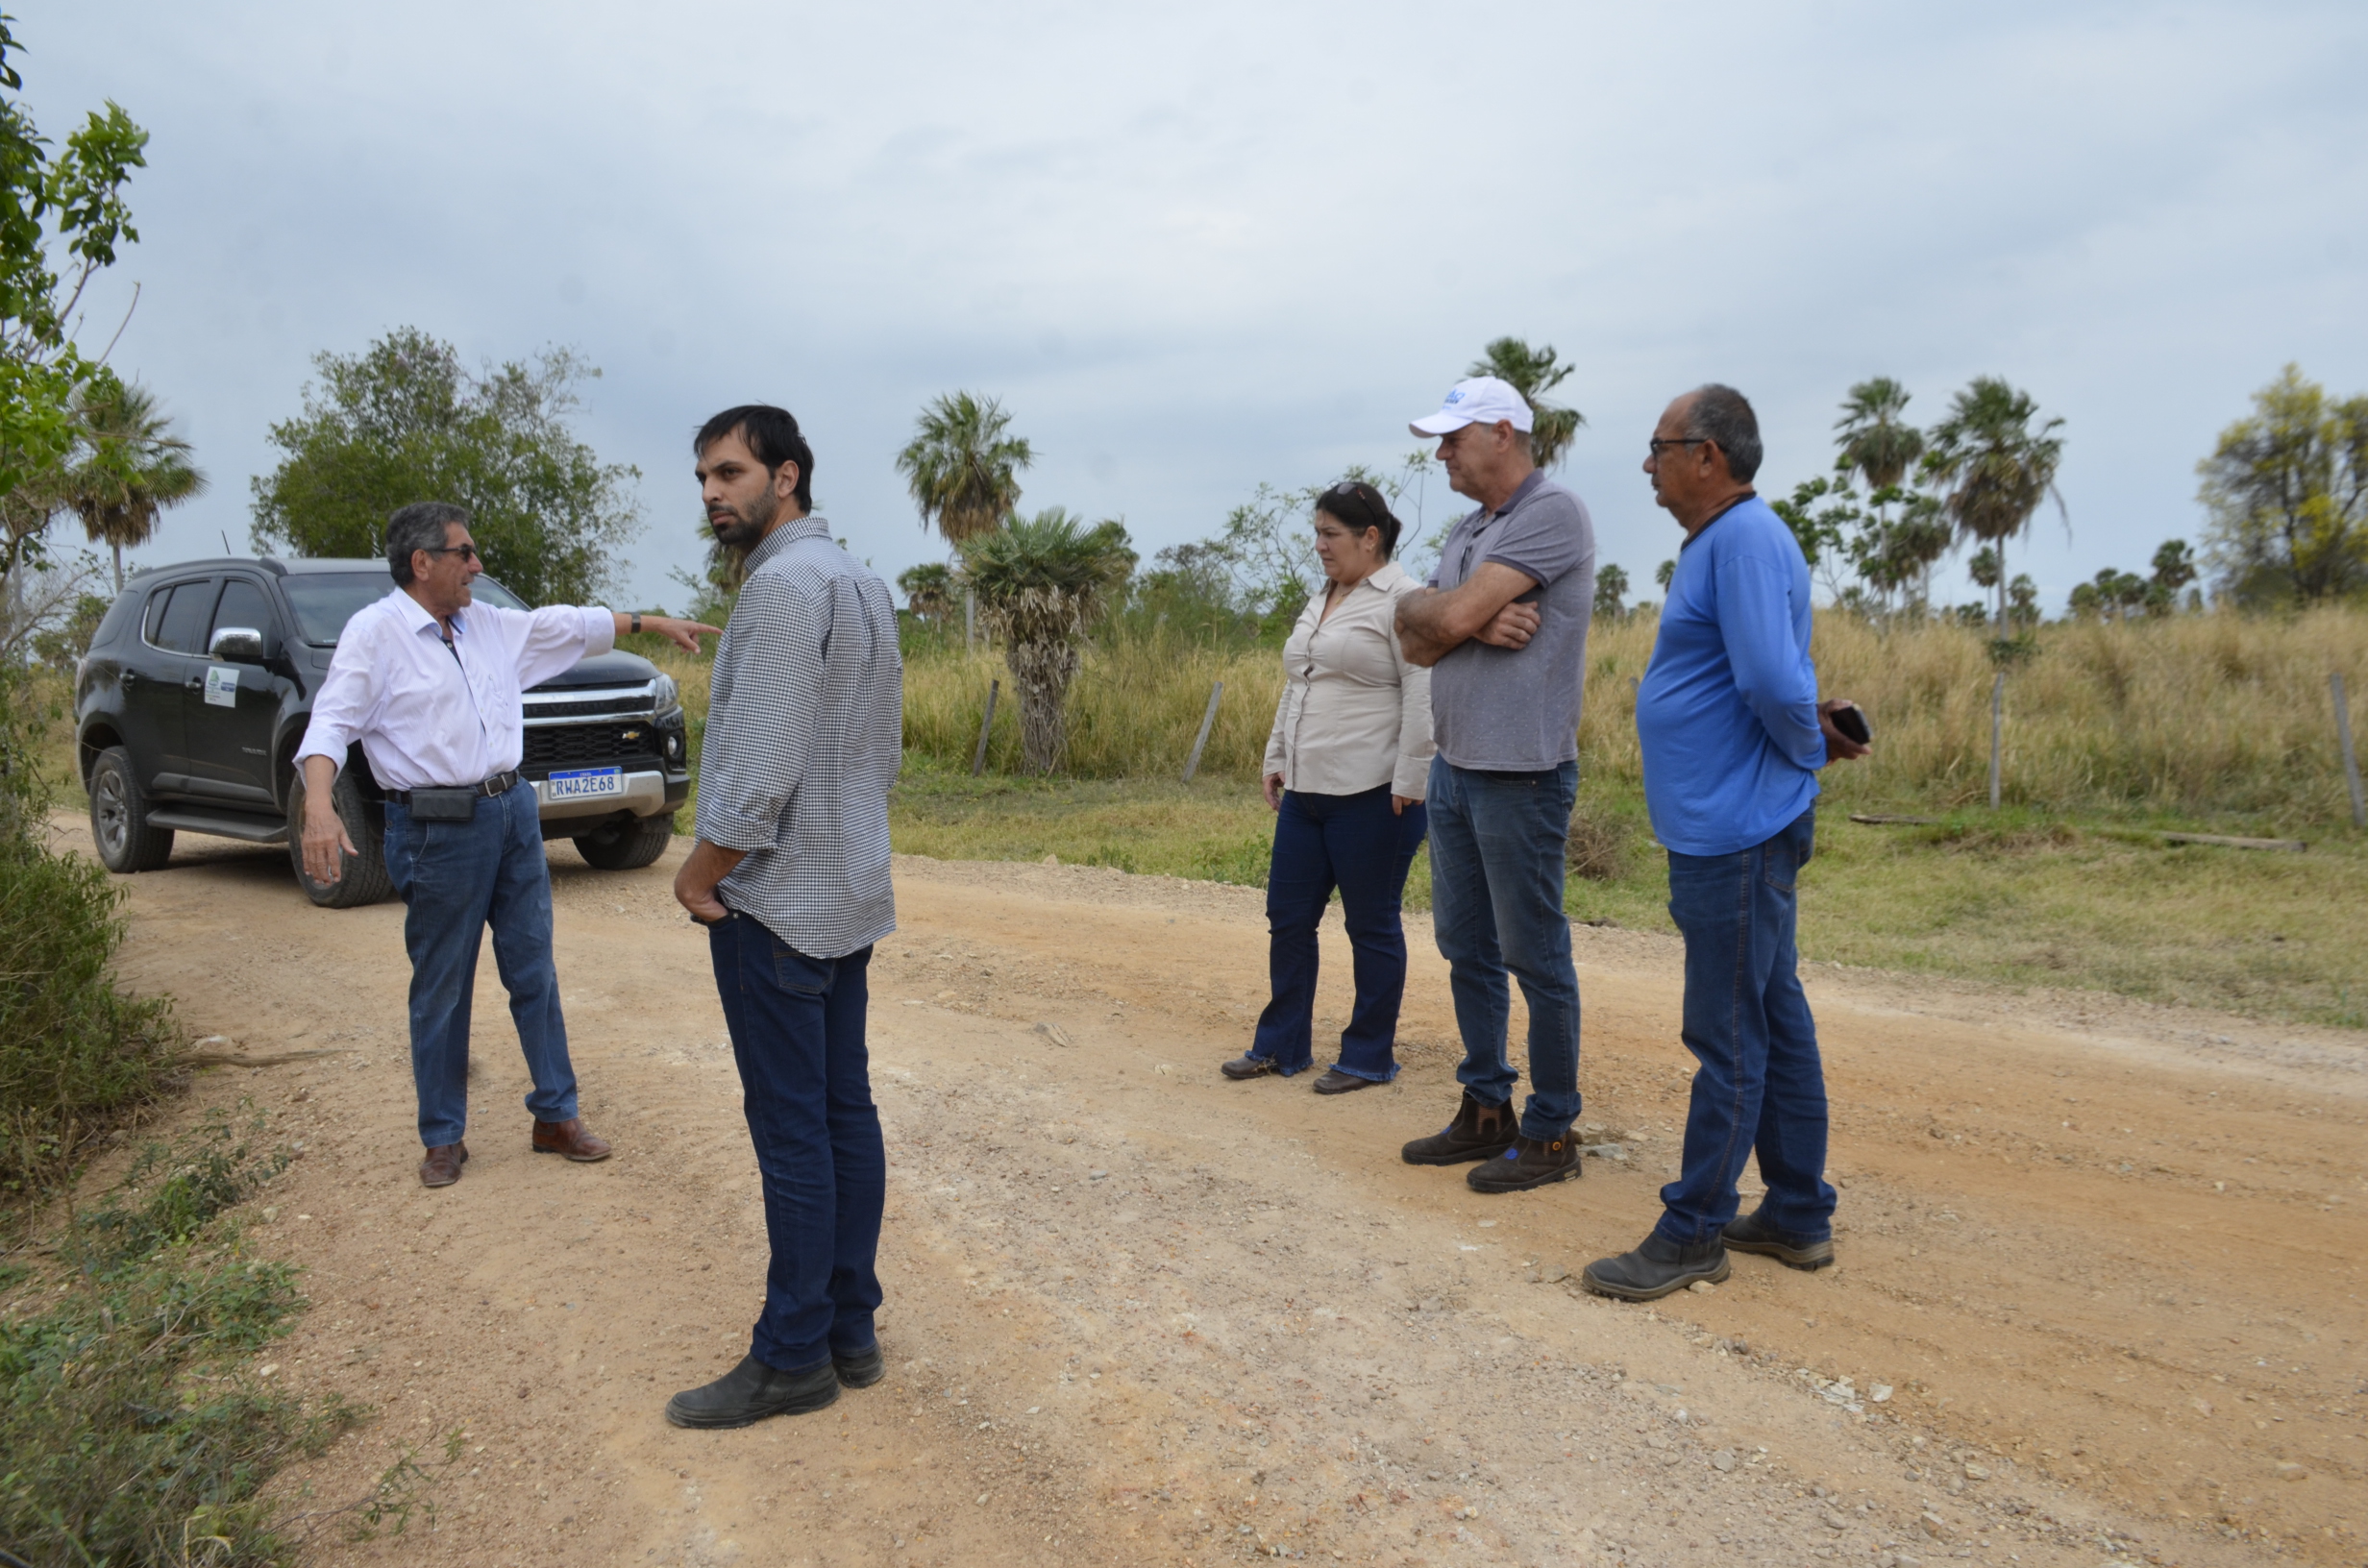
{"x":324,"y":602}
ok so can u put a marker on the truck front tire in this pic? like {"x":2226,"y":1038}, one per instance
{"x":630,"y":846}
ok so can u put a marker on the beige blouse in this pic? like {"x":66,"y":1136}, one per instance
{"x":1355,"y":714}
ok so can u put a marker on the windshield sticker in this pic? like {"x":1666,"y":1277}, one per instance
{"x":222,"y":685}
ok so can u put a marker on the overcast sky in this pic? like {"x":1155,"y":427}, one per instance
{"x":1195,"y":248}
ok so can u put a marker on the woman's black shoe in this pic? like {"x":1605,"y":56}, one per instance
{"x":1335,"y":1082}
{"x":1247,"y":1066}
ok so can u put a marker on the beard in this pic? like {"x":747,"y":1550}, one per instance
{"x":740,"y":527}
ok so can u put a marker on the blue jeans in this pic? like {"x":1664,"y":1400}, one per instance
{"x":1760,"y":1085}
{"x":797,"y":1031}
{"x":1496,"y":903}
{"x":457,"y":878}
{"x":1358,"y":843}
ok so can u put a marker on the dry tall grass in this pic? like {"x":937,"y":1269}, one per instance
{"x":2199,"y":714}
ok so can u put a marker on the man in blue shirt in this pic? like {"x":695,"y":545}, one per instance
{"x":1732,"y":736}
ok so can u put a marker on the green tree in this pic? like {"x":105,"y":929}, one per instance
{"x":1610,"y":592}
{"x":62,"y":215}
{"x":1876,"y":441}
{"x":928,"y":589}
{"x":1534,"y":373}
{"x":129,"y":467}
{"x":1894,"y":553}
{"x":962,"y":467}
{"x":1040,"y":581}
{"x":1994,"y":462}
{"x":2287,"y":492}
{"x":403,"y":422}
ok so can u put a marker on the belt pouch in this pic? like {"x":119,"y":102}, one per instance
{"x":443,"y":806}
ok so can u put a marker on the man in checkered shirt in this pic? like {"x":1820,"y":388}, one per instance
{"x":790,"y":876}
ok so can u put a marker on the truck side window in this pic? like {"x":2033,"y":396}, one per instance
{"x":182,"y":627}
{"x":243,"y":605}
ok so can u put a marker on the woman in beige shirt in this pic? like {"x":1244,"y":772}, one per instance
{"x":1345,"y":769}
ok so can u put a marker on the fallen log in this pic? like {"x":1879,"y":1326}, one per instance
{"x":2291,"y":845}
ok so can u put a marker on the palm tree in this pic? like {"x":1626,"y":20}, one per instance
{"x":928,"y":589}
{"x":1879,"y":446}
{"x":1875,"y":441}
{"x":961,"y":467}
{"x":130,"y":467}
{"x":1534,"y":373}
{"x":1040,"y":581}
{"x":1994,"y":467}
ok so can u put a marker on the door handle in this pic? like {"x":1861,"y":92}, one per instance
{"x":131,"y":677}
{"x":195,"y":683}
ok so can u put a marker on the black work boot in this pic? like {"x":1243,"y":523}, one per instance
{"x":1531,"y":1162}
{"x":751,"y":1391}
{"x":1658,"y":1267}
{"x":861,"y":1368}
{"x":1752,"y":1233}
{"x":1478,"y":1132}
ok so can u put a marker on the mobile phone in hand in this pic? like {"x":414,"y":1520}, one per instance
{"x":1851,"y":724}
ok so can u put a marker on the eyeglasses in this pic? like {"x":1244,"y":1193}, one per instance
{"x":467,"y":552}
{"x":1660,"y":441}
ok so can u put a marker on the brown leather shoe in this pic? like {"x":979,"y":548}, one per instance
{"x":569,"y":1138}
{"x":442,"y":1166}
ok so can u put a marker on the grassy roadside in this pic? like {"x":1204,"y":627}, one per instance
{"x":134,"y":1428}
{"x":2018,"y":899}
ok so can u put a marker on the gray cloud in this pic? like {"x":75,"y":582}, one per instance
{"x":1203,"y":247}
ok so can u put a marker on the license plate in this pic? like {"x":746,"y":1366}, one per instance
{"x":584,"y":784}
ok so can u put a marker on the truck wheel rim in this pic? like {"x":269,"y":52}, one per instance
{"x":115,"y":815}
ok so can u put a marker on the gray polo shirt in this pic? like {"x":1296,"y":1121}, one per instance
{"x":1516,"y":710}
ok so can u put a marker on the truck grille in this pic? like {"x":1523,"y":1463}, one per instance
{"x":569,"y":745}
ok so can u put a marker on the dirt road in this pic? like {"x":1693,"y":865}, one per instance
{"x":2100,"y":1296}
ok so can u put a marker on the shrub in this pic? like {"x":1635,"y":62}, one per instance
{"x":75,"y":1052}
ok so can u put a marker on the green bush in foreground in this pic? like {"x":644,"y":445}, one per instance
{"x":75,"y":1052}
{"x":131,"y":1430}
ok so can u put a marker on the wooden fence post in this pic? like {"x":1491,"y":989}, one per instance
{"x":1192,"y":764}
{"x":970,"y":617}
{"x":2350,"y":758}
{"x":1997,"y":720}
{"x":986,"y":725}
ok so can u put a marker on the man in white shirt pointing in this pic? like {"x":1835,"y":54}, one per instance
{"x":430,"y":684}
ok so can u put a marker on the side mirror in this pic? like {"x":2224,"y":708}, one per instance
{"x":236,"y":644}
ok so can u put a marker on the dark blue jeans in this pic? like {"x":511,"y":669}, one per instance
{"x":1760,"y":1085}
{"x":457,"y":878}
{"x":1496,"y":903}
{"x":1356,"y":843}
{"x":806,"y":1080}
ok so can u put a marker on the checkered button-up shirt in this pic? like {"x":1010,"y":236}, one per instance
{"x":806,"y":730}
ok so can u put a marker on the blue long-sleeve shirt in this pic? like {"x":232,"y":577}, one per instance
{"x":1727,"y":714}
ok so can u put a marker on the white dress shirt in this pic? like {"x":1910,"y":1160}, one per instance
{"x":1355,"y":714}
{"x":431,"y":717}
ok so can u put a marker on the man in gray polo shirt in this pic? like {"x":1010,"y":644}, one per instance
{"x":1503,"y":626}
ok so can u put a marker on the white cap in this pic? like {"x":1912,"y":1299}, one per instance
{"x":1482,"y":400}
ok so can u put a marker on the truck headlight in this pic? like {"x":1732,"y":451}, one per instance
{"x":665,"y":696}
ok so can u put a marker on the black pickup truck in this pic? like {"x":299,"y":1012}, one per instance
{"x":199,"y":683}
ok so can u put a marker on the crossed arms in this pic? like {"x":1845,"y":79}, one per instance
{"x":1431,"y":623}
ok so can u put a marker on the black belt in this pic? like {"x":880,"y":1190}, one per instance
{"x":498,"y":784}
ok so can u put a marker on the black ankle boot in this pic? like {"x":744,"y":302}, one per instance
{"x":1658,"y":1267}
{"x":751,"y":1391}
{"x":1478,"y":1132}
{"x":1752,"y":1233}
{"x":1531,"y":1162}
